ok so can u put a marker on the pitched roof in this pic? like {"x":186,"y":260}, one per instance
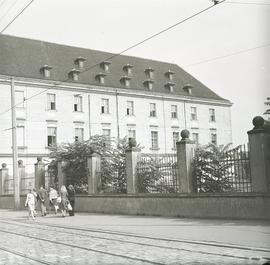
{"x":25,"y":57}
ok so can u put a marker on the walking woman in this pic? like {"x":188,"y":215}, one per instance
{"x":30,"y":203}
{"x":64,"y":200}
{"x":71,"y":198}
{"x":53,"y":199}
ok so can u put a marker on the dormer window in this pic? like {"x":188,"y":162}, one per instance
{"x":100,"y":78}
{"x":125,"y":80}
{"x":74,"y":74}
{"x":188,"y":88}
{"x":46,"y":71}
{"x":105,"y":65}
{"x":169,"y":86}
{"x":128,"y":69}
{"x":169,"y":74}
{"x":149,"y":72}
{"x":80,"y":62}
{"x":148,"y":84}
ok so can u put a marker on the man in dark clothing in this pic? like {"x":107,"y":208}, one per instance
{"x":71,"y":198}
{"x":42,"y":194}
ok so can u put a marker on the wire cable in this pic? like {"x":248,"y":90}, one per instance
{"x":23,"y":9}
{"x":13,"y":4}
{"x":228,"y":55}
{"x":123,"y":51}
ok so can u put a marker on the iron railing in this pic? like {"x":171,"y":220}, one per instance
{"x":157,"y":173}
{"x":230,"y":173}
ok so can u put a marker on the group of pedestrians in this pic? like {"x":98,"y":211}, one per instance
{"x":63,"y":201}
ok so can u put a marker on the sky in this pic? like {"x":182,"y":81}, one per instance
{"x":227,"y":47}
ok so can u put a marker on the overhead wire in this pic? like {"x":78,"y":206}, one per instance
{"x":228,"y":55}
{"x":121,"y":52}
{"x":5,"y":14}
{"x":22,"y":10}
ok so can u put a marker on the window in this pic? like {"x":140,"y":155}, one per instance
{"x":20,"y":136}
{"x":212,"y":115}
{"x":51,"y":103}
{"x":148,"y":84}
{"x":153,"y":111}
{"x":154,"y":139}
{"x":213,"y":138}
{"x":175,"y":139}
{"x":105,"y":65}
{"x":128,"y":69}
{"x":45,"y":70}
{"x":130,"y":108}
{"x":132,"y":133}
{"x":193,"y":113}
{"x":174,"y":111}
{"x":19,"y":99}
{"x":51,"y":139}
{"x":105,"y":106}
{"x":106,"y":133}
{"x":149,"y":72}
{"x":77,"y":103}
{"x":79,"y":134}
{"x":195,"y":138}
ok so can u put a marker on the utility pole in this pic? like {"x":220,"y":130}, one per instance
{"x":16,"y":182}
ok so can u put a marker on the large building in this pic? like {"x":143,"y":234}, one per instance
{"x":63,"y":93}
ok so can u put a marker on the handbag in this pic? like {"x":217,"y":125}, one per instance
{"x":58,"y":199}
{"x":69,"y":207}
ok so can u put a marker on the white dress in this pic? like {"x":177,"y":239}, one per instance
{"x":30,"y":201}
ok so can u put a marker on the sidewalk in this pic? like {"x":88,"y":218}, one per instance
{"x":254,"y":234}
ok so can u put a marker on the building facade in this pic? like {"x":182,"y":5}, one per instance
{"x":65,"y":93}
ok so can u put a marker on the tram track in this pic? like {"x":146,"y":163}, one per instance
{"x":17,"y":253}
{"x":48,"y":227}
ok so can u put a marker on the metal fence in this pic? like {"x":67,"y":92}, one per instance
{"x":157,"y":173}
{"x":229,"y":173}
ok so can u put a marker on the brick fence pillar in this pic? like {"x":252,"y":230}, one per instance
{"x":3,"y":177}
{"x":132,"y":155}
{"x":21,"y":175}
{"x":185,"y":154}
{"x":94,"y":178}
{"x":39,"y":173}
{"x":259,"y":145}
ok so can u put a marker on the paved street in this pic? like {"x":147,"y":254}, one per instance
{"x":118,"y":239}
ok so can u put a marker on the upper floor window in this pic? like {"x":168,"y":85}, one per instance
{"x":128,"y":69}
{"x":51,"y":135}
{"x":130,"y":108}
{"x":169,"y":74}
{"x":125,"y":80}
{"x":105,"y":106}
{"x":212,"y":115}
{"x":132,"y":133}
{"x":154,"y":139}
{"x":80,"y":62}
{"x":19,"y":99}
{"x":213,"y":138}
{"x":101,"y":78}
{"x":105,"y":65}
{"x":79,"y":133}
{"x":188,"y":88}
{"x":195,"y":138}
{"x":175,"y":139}
{"x":169,"y":86}
{"x":153,"y":110}
{"x":74,"y":74}
{"x":51,"y":101}
{"x":193,"y":113}
{"x":149,"y":72}
{"x":46,"y":71}
{"x":174,"y":111}
{"x":77,"y":103}
{"x":148,"y":84}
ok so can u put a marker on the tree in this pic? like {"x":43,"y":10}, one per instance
{"x":112,"y":152}
{"x":212,"y":168}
